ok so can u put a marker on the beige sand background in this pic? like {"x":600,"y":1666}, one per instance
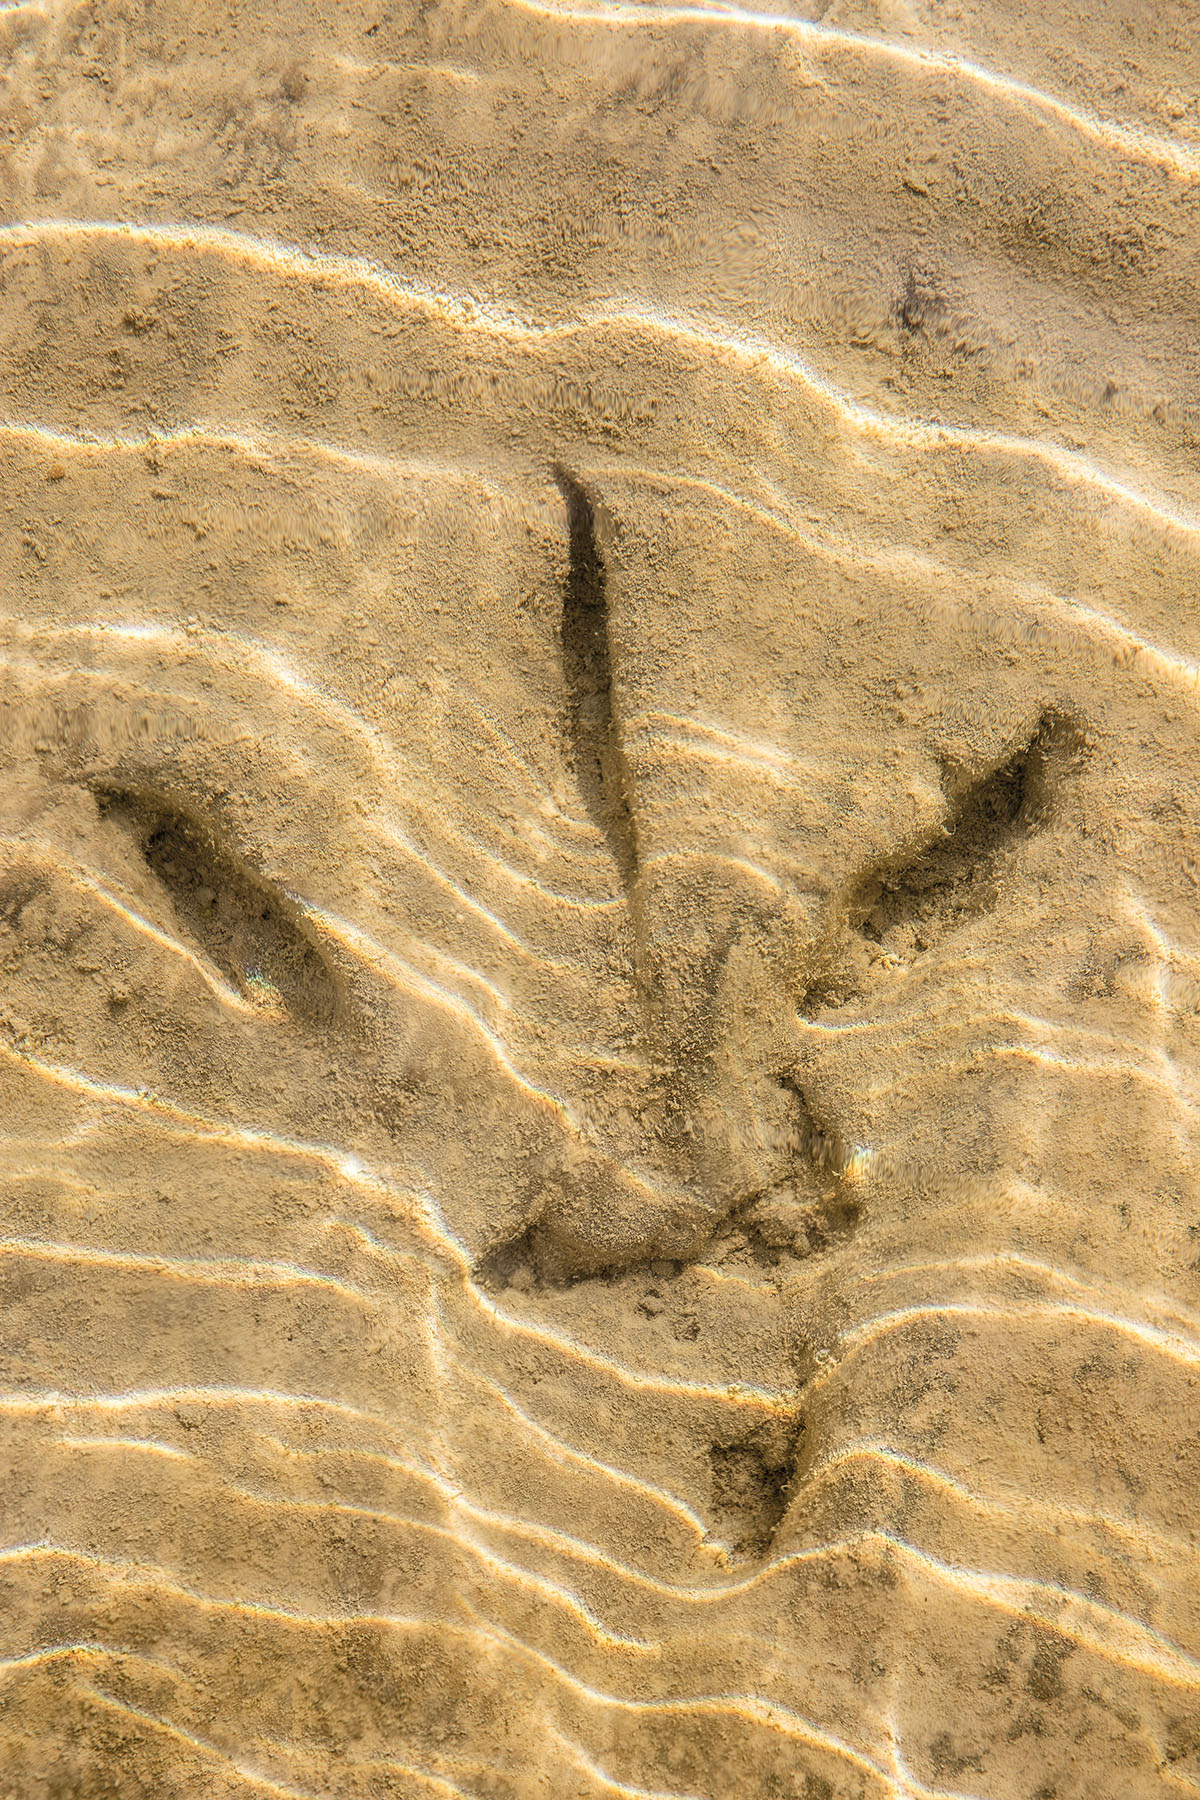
{"x":600,"y":846}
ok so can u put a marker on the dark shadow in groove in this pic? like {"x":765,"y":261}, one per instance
{"x":920,"y":310}
{"x":532,"y":1258}
{"x":956,"y":876}
{"x":515,"y":1263}
{"x":254,"y":934}
{"x":752,"y":1480}
{"x":587,"y":676}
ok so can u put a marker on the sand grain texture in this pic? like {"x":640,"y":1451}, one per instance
{"x":599,"y":865}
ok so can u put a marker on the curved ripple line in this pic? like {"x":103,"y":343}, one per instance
{"x":1104,"y":1630}
{"x":1139,"y":144}
{"x":405,"y":975}
{"x":918,"y":1023}
{"x":81,"y":876}
{"x":554,"y":1591}
{"x":1096,"y":1624}
{"x":1092,"y":1625}
{"x":228,"y":1272}
{"x":1166,"y":1081}
{"x":1071,"y":465}
{"x":409,"y":979}
{"x":278,"y":256}
{"x":42,"y":1400}
{"x":87,"y":1650}
{"x":144,"y":1446}
{"x":204,"y":1129}
{"x":276,"y":668}
{"x":439,"y":1784}
{"x":737,"y":1393}
{"x":389,"y":831}
{"x":742,"y":866}
{"x":545,"y":1536}
{"x":841,"y":546}
{"x":425,"y":1217}
{"x":1171,"y":1344}
{"x":559,"y":1450}
{"x":153,"y":1575}
{"x":750,"y":1708}
{"x":346,"y":1164}
{"x":469,"y":313}
{"x":392,"y":833}
{"x":680,"y":737}
{"x":1139,"y":1535}
{"x":703,"y":1593}
{"x":253,"y":1777}
{"x":1017,"y":1261}
{"x":83,"y":1648}
{"x":361,"y":944}
{"x":316,"y":694}
{"x":578,"y":1549}
{"x":261,"y":444}
{"x":609,"y":1783}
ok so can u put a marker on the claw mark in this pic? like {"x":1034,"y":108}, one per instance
{"x":592,"y":719}
{"x":249,"y":930}
{"x":955,"y":877}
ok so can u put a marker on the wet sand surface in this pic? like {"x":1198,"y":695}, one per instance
{"x":599,"y":884}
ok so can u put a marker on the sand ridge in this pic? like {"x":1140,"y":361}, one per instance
{"x":598,"y":981}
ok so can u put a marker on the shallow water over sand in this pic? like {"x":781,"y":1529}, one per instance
{"x":599,"y":846}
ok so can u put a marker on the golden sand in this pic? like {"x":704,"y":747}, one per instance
{"x":599,"y":901}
